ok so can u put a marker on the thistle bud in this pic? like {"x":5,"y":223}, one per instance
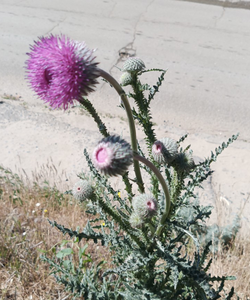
{"x":165,"y":150}
{"x":126,"y":79}
{"x":133,"y":65}
{"x":135,"y":220}
{"x":82,"y":190}
{"x":113,"y":156}
{"x":145,"y":206}
{"x":184,"y":162}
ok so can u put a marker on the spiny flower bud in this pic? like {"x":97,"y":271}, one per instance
{"x":135,"y":220}
{"x":184,"y":162}
{"x":133,"y":64}
{"x":165,"y":150}
{"x":82,"y":190}
{"x":126,"y":79}
{"x":145,"y":206}
{"x":113,"y":156}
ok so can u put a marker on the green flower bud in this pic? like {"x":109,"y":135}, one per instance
{"x":135,"y":220}
{"x":82,"y":190}
{"x":133,"y":64}
{"x":145,"y":206}
{"x":126,"y":79}
{"x":113,"y":156}
{"x":184,"y":162}
{"x":165,"y":150}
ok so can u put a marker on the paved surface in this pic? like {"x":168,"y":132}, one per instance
{"x":245,"y":4}
{"x":206,"y":49}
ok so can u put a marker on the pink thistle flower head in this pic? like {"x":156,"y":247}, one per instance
{"x":165,"y":150}
{"x":113,"y":156}
{"x":61,"y":70}
{"x":145,"y":206}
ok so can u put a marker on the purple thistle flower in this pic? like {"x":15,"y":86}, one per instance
{"x":61,"y":70}
{"x":113,"y":156}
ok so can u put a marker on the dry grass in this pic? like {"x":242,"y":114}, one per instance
{"x":25,"y":231}
{"x":24,"y":210}
{"x":235,"y":261}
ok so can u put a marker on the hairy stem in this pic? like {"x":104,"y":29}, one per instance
{"x":123,"y":224}
{"x":165,"y":189}
{"x":124,"y":98}
{"x":89,"y":107}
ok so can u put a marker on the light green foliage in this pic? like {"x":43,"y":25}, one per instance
{"x":153,"y":260}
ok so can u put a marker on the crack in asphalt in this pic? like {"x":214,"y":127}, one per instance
{"x":220,"y":17}
{"x":112,"y":9}
{"x":128,"y":50}
{"x":58,"y":24}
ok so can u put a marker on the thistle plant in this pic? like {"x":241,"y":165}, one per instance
{"x":149,"y":233}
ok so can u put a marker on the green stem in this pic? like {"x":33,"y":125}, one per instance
{"x":124,"y":99}
{"x":144,"y":113}
{"x":90,"y":108}
{"x":151,"y":227}
{"x":165,"y":189}
{"x":125,"y":225}
{"x":176,"y":184}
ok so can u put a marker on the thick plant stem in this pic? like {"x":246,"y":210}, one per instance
{"x":124,"y":98}
{"x":165,"y":189}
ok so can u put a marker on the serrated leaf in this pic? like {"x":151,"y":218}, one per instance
{"x":64,"y":252}
{"x":82,"y":250}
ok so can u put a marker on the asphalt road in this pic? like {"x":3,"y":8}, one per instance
{"x":205,"y":48}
